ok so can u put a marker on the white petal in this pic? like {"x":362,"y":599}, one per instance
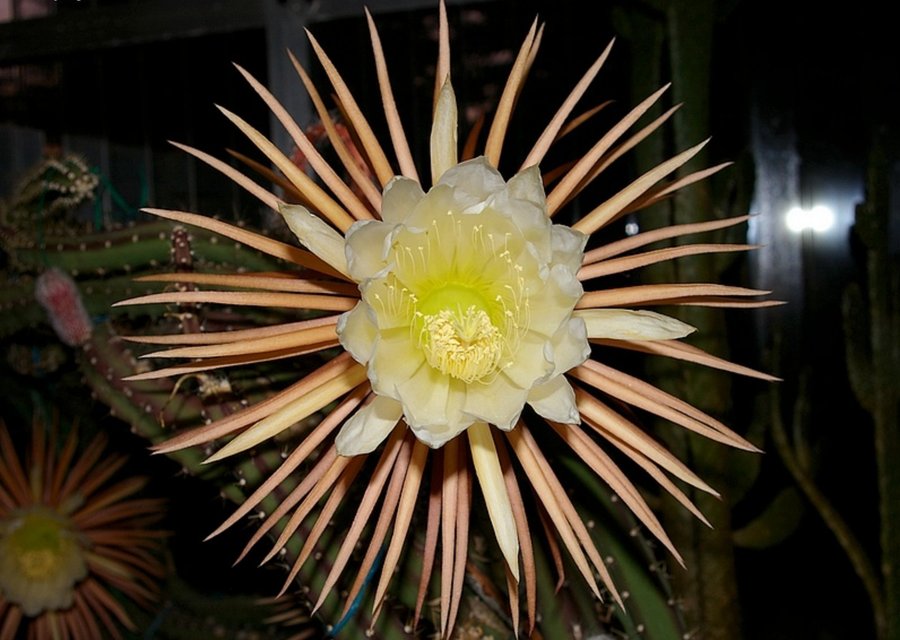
{"x":439,"y":200}
{"x":443,"y":133}
{"x":529,"y":219}
{"x":568,"y":246}
{"x":493,"y":487}
{"x":368,"y":427}
{"x":432,"y":406}
{"x":394,"y":361}
{"x":366,"y":248}
{"x":567,"y":282}
{"x":499,"y":402}
{"x":437,"y":435}
{"x":532,"y":363}
{"x":528,"y":185}
{"x":392,"y":311}
{"x":569,"y":346}
{"x":553,"y":302}
{"x":401,"y":195}
{"x":357,"y":332}
{"x":316,"y":235}
{"x":555,"y":401}
{"x":624,"y":324}
{"x":475,"y":178}
{"x":424,"y":396}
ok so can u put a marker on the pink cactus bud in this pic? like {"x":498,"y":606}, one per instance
{"x":59,"y":295}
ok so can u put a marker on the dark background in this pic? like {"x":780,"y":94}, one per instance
{"x":800,"y":95}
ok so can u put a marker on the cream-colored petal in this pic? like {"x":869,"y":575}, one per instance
{"x":394,"y":361}
{"x":529,"y":219}
{"x":625,"y":324}
{"x":499,"y":403}
{"x":532,"y":362}
{"x":357,"y":332}
{"x":437,"y":435}
{"x":368,"y":427}
{"x":568,"y":246}
{"x":432,"y":405}
{"x":401,"y":195}
{"x":475,"y":178}
{"x":552,"y":303}
{"x":444,"y":133}
{"x":424,"y":396}
{"x":527,"y":185}
{"x":316,"y":235}
{"x":440,"y":199}
{"x":569,"y":346}
{"x":391,"y":305}
{"x":367,"y":247}
{"x":555,"y":400}
{"x":565,"y":279}
{"x":493,"y":487}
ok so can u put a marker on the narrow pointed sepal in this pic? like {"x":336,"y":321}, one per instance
{"x":316,"y":235}
{"x":444,"y":133}
{"x":493,"y":487}
{"x":625,"y":324}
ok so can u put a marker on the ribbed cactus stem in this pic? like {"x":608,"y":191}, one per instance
{"x":858,"y":347}
{"x":883,"y":402}
{"x":129,"y":249}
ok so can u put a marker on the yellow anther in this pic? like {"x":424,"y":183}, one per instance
{"x":462,"y":344}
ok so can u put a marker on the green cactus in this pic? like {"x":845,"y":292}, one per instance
{"x":872,"y":338}
{"x":681,"y":32}
{"x":187,"y":614}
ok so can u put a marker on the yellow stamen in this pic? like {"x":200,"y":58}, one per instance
{"x":462,"y":344}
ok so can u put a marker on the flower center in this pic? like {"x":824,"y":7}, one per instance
{"x":462,"y":344}
{"x":457,"y":332}
{"x":37,"y":544}
{"x":40,"y":561}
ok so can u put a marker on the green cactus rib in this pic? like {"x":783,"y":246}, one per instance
{"x":133,"y":249}
{"x":188,"y":614}
{"x":145,"y":406}
{"x":650,"y":613}
{"x":872,"y":326}
{"x":93,"y":258}
{"x":19,"y":308}
{"x":312,"y":576}
{"x":857,"y":346}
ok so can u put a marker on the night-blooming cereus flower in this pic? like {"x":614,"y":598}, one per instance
{"x":466,"y":310}
{"x":466,"y":329}
{"x":69,"y":538}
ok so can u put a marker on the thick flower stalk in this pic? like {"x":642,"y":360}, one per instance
{"x":69,"y":537}
{"x":466,"y":328}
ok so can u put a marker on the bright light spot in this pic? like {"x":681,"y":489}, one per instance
{"x":820,"y":218}
{"x":631,"y":228}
